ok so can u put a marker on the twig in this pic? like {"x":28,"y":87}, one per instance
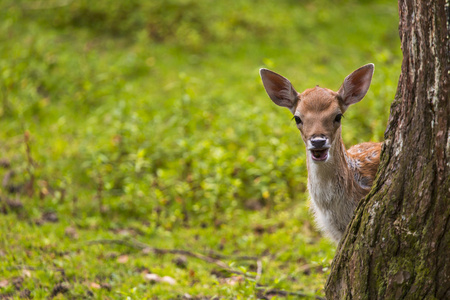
{"x":258,"y":270}
{"x":136,"y":245}
{"x":22,"y":267}
{"x":27,"y":138}
{"x":244,"y":257}
{"x":142,"y":246}
{"x":30,"y":268}
{"x":99,"y":194}
{"x":132,"y":243}
{"x":265,"y":289}
{"x":286,"y":293}
{"x":29,"y":186}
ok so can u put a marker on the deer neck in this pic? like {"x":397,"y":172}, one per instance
{"x":333,"y":190}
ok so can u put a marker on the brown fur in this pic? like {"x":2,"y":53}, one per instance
{"x":363,"y":160}
{"x":317,"y":108}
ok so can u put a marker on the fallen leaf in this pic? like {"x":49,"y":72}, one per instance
{"x":26,"y":273}
{"x":71,"y":232}
{"x":146,"y":250}
{"x":191,"y":273}
{"x":233,"y":280}
{"x":95,"y":285}
{"x":152,"y":277}
{"x":156,"y":278}
{"x":124,"y":232}
{"x":123,"y":259}
{"x":169,"y":280}
{"x":4,"y":283}
{"x":106,"y":286}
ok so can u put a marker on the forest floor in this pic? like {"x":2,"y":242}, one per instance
{"x":140,"y":157}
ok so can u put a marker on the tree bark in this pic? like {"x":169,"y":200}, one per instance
{"x":398,"y":244}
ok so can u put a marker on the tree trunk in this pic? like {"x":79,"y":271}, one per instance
{"x":398,"y":244}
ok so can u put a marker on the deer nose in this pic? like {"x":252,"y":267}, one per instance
{"x":318,"y":142}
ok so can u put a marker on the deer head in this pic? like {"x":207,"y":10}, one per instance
{"x":318,"y":111}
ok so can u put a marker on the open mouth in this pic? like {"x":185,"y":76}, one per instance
{"x":319,"y":154}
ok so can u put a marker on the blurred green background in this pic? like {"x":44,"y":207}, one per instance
{"x":147,"y":120}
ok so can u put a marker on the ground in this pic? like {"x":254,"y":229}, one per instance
{"x":130,"y":127}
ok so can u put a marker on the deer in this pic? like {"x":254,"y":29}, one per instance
{"x":337,"y":178}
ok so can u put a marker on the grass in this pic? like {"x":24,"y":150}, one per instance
{"x":148,"y":122}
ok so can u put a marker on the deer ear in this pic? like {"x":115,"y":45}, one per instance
{"x":279,"y":89}
{"x":356,"y":85}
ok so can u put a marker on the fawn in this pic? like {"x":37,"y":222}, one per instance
{"x":337,"y":179}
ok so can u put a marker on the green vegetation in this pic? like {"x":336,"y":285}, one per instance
{"x":147,"y":121}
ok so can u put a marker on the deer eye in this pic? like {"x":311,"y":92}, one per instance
{"x":298,"y":120}
{"x":338,"y":118}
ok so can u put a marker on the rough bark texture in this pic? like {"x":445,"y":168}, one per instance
{"x":398,"y":244}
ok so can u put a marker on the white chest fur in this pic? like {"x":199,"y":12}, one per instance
{"x":331,"y":203}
